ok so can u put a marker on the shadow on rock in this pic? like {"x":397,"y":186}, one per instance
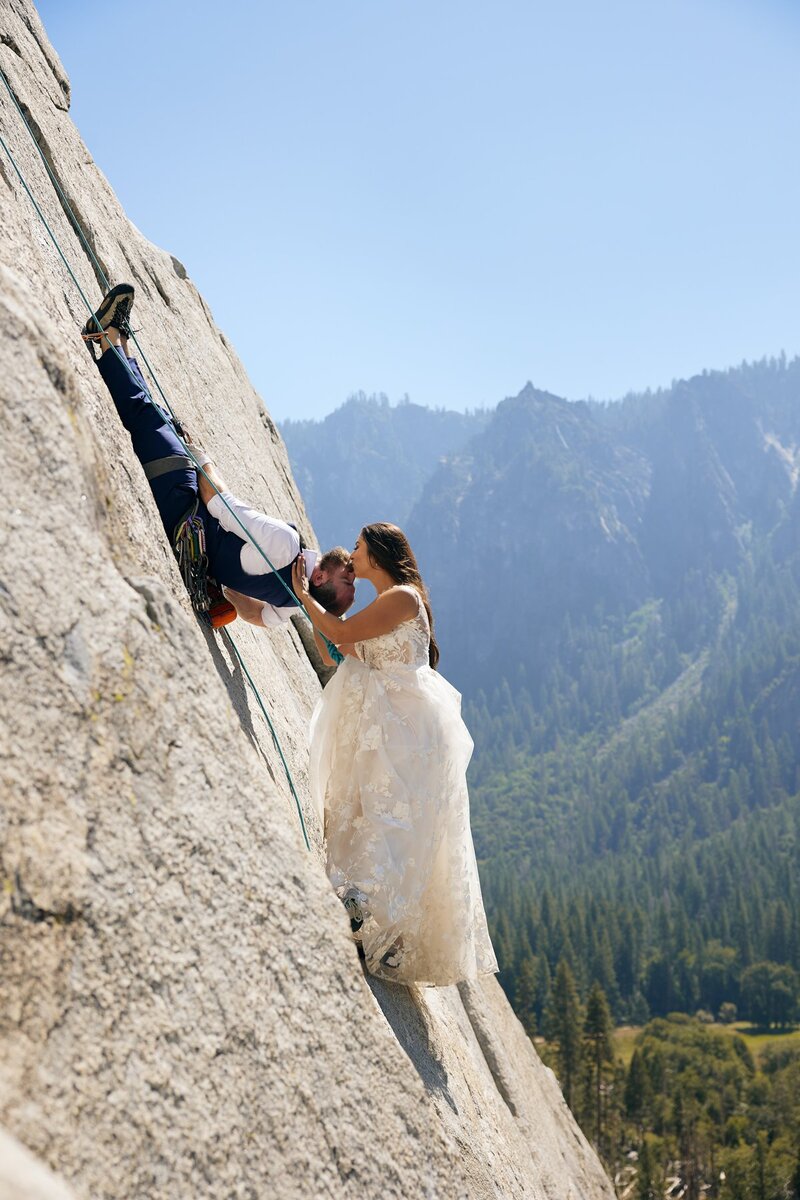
{"x":401,"y":1009}
{"x":232,"y":676}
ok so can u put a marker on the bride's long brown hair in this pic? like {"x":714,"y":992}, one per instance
{"x":388,"y":549}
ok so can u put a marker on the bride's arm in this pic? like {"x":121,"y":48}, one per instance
{"x":382,"y":616}
{"x":346,"y":648}
{"x":323,"y":649}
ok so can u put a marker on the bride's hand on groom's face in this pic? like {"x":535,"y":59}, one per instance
{"x":299,"y":579}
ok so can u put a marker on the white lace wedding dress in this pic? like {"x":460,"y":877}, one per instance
{"x":389,"y":753}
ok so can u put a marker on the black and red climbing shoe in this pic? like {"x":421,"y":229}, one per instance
{"x":220,"y":610}
{"x":113,"y":313}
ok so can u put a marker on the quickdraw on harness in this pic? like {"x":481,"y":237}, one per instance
{"x":208,"y":600}
{"x":189,"y":544}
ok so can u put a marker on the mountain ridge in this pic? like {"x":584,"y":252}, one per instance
{"x":615,"y":588}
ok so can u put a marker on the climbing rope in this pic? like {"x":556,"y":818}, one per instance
{"x":170,"y":414}
{"x":332,"y":650}
{"x":227,"y":637}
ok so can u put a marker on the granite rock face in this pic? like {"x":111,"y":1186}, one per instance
{"x":182,"y":1012}
{"x":22,"y":1176}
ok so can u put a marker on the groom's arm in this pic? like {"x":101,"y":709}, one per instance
{"x":279,"y":541}
{"x":248,"y":608}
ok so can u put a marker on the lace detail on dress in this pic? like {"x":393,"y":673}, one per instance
{"x":389,"y":754}
{"x":406,"y":645}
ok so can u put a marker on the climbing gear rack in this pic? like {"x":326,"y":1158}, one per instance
{"x":189,"y":544}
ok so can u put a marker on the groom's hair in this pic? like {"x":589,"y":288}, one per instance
{"x":326,"y":593}
{"x":337,"y":557}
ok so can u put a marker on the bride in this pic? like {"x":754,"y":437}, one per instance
{"x":389,"y":754}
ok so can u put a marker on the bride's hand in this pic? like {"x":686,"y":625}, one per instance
{"x":299,"y":578}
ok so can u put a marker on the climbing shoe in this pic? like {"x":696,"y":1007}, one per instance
{"x":113,"y":313}
{"x":220,"y":611}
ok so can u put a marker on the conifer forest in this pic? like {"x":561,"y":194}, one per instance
{"x":617,"y":596}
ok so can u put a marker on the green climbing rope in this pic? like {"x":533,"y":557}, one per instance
{"x":227,"y":637}
{"x":332,"y":650}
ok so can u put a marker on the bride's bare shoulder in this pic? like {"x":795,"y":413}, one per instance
{"x":405,"y":595}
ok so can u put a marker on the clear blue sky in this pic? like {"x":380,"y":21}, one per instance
{"x":447,"y":199}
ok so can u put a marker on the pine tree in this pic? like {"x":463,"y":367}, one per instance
{"x":636,"y":1088}
{"x":603,"y":966}
{"x":563,"y":1026}
{"x":794,"y":1182}
{"x":597,"y":1039}
{"x":625,"y":965}
{"x":544,"y":987}
{"x":646,"y":1175}
{"x":778,"y":945}
{"x":525,"y":994}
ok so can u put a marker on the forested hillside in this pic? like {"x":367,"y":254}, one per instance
{"x":617,"y":595}
{"x":369,"y":460}
{"x":616,"y":591}
{"x":636,"y":775}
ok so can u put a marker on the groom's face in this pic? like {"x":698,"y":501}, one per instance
{"x":342,"y":577}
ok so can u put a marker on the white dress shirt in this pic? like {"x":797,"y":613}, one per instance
{"x":279,"y":541}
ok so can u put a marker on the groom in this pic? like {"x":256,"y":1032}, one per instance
{"x":256,"y":590}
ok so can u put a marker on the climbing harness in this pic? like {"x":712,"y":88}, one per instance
{"x":168,"y":412}
{"x":189,"y":544}
{"x":189,"y":539}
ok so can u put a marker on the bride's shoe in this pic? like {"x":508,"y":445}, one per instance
{"x":355,"y":903}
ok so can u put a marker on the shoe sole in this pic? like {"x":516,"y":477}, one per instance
{"x":107,"y":310}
